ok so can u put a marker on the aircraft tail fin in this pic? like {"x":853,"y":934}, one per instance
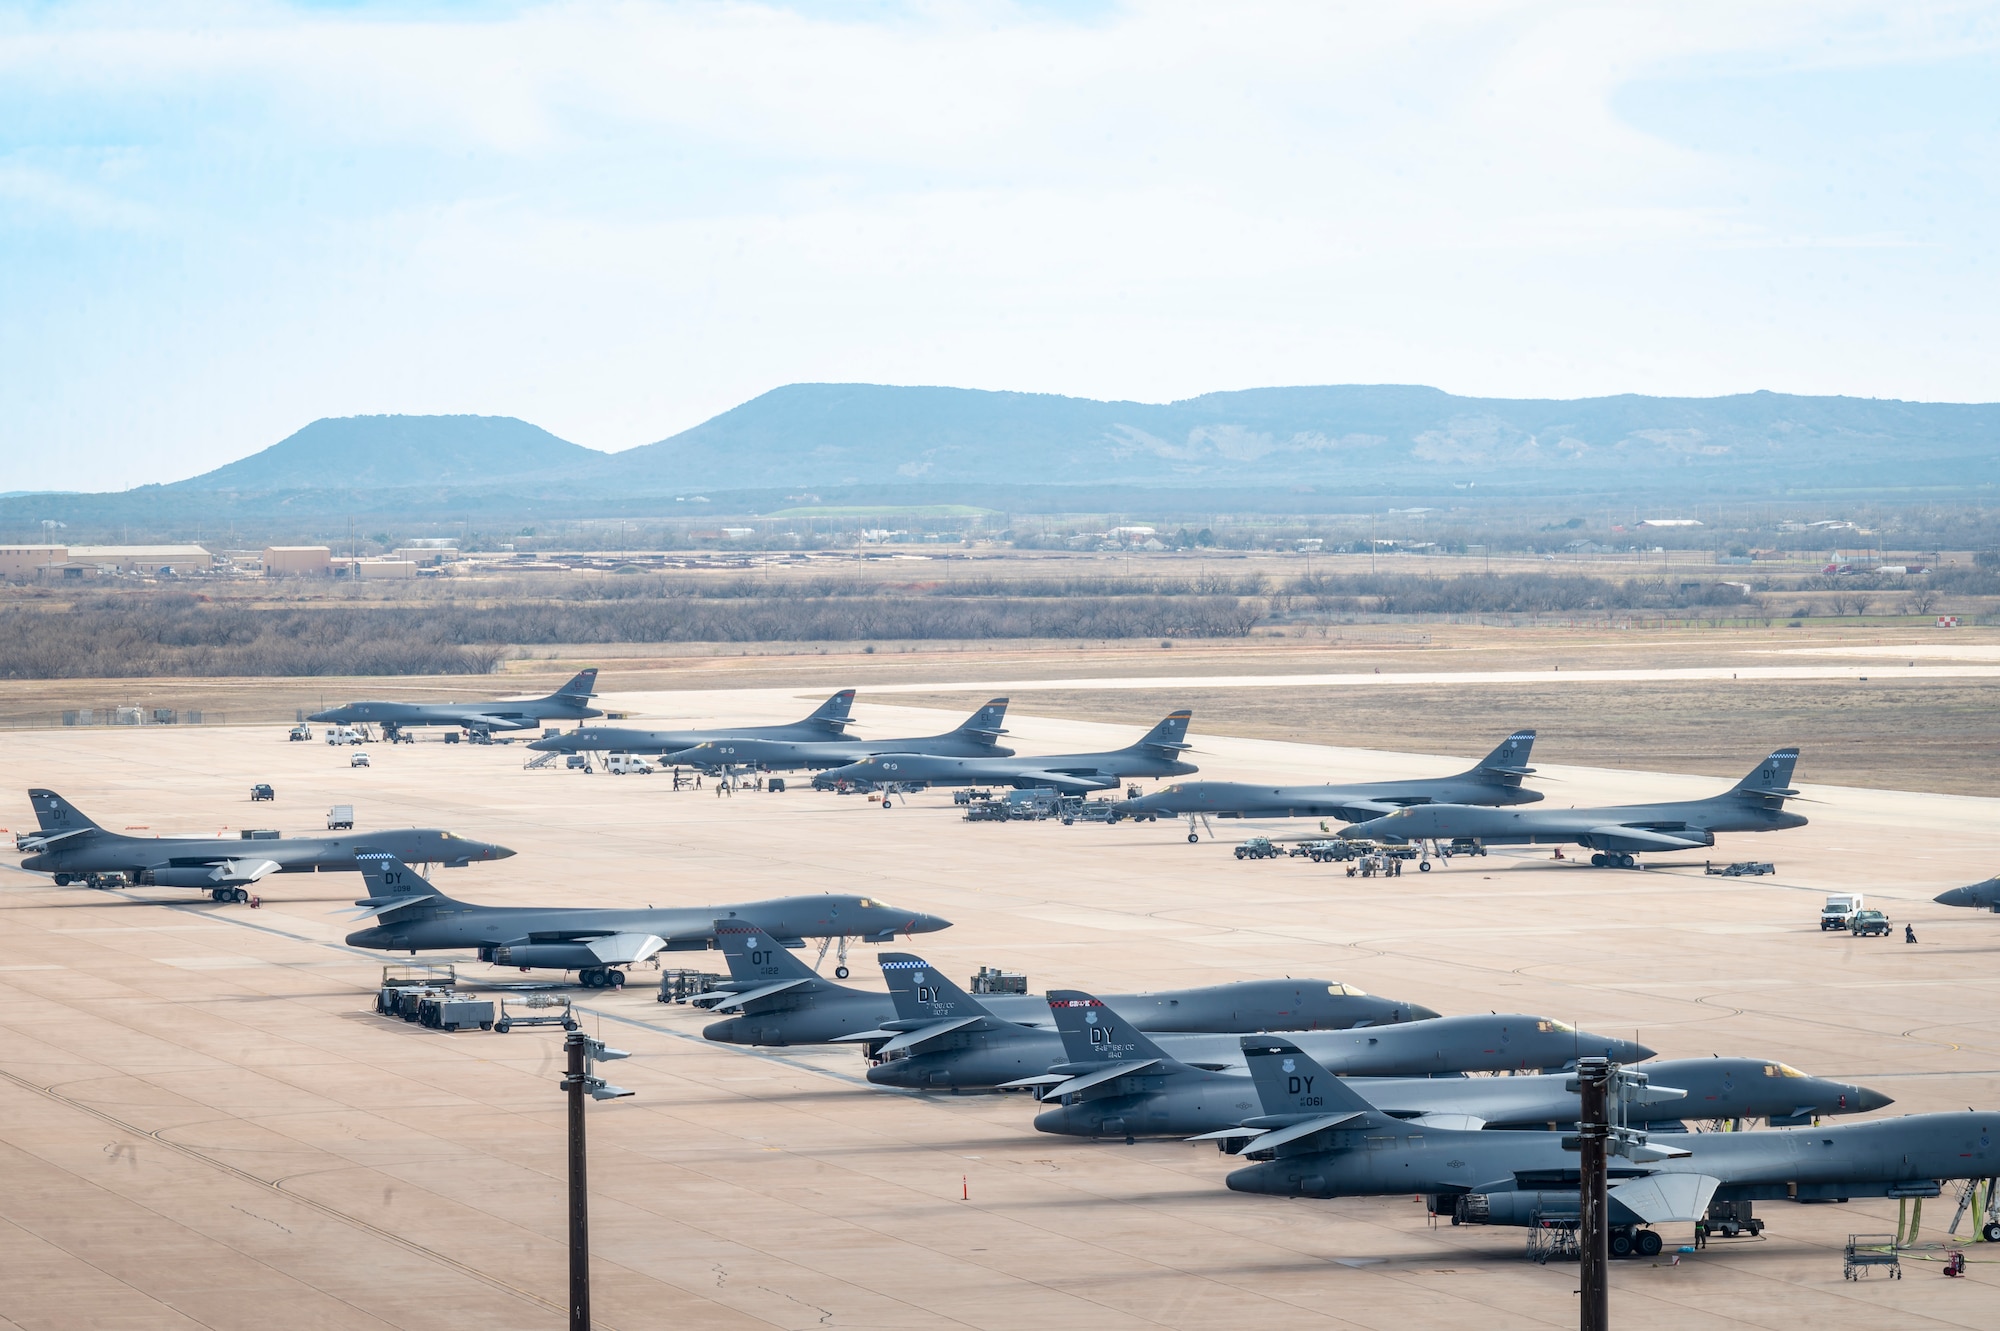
{"x":753,"y":954}
{"x":57,"y":814}
{"x":833,"y":712}
{"x":1291,"y":1081}
{"x":1509,"y":762}
{"x":1773,"y":777}
{"x":1170,"y":735}
{"x":988,"y":723}
{"x":920,"y":993}
{"x":579,"y":689}
{"x":1093,"y":1033}
{"x":393,"y":886}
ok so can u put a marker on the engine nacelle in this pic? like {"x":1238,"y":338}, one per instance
{"x":546,"y":956}
{"x":1514,"y":1208}
{"x":194,"y":875}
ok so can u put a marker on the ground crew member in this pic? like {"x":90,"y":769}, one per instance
{"x":1909,"y":933}
{"x":1700,"y":1234}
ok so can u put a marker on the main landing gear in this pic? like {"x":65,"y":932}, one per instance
{"x":1634,"y":1243}
{"x":235,"y":895}
{"x":1614,"y":860}
{"x":840,"y":969}
{"x":601,"y":977}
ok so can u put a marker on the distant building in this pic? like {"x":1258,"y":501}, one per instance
{"x":179,"y":559}
{"x":298,"y":561}
{"x":426,"y":553}
{"x":24,"y":563}
{"x":1671,"y":522}
{"x":375,"y":570}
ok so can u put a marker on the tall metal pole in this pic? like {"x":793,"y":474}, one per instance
{"x":1593,"y":1235}
{"x":579,"y":1190}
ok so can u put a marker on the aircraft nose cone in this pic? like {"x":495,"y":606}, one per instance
{"x":1627,"y":1051}
{"x":539,"y":745}
{"x":928,"y":924}
{"x":1864,"y":1101}
{"x":320,"y":716}
{"x":500,"y":852}
{"x":1358,"y":832}
{"x":1418,"y":1012}
{"x":1958,"y":896}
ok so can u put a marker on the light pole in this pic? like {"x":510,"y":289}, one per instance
{"x":582,"y":1052}
{"x":1593,"y":1238}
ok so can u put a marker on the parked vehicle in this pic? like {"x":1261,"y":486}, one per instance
{"x":1868,"y":924}
{"x":301,"y":731}
{"x":358,"y":760}
{"x":620,"y":764}
{"x":1740,"y":869}
{"x":1838,"y":910}
{"x":261,"y":792}
{"x":343,"y":735}
{"x":1257,"y":848}
{"x":578,"y":762}
{"x":340,"y":818}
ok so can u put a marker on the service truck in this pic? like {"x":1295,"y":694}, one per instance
{"x":1840,"y":907}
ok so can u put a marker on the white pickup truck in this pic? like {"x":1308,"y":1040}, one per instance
{"x":1840,"y":908}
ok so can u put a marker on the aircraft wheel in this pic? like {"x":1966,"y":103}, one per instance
{"x":614,"y":979}
{"x":1597,"y":861}
{"x":1621,"y":1244}
{"x":63,"y":879}
{"x":1992,"y":1232}
{"x":840,"y":972}
{"x":1648,"y":1243}
{"x":587,"y":977}
{"x":1423,"y":866}
{"x":1627,"y":862}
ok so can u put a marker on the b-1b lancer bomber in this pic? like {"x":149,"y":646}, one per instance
{"x":1617,"y":835}
{"x":1122,"y":1084}
{"x":72,"y":847}
{"x":1496,"y":781}
{"x":597,"y":943}
{"x":1334,"y":1143}
{"x":1983,"y":895}
{"x":945,"y":1039}
{"x":829,"y":721}
{"x":977,"y":737}
{"x":1156,"y":754}
{"x":774,"y":998}
{"x":571,"y":702}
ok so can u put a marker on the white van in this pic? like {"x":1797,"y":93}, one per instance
{"x":618,"y":764}
{"x":342,"y":735}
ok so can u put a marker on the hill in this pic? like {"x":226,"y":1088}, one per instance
{"x":381,"y":452}
{"x":1371,"y":437}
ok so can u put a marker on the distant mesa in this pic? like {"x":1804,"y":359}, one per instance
{"x":385,"y":452}
{"x":927,"y":445}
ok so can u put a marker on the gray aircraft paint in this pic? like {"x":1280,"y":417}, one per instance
{"x":1984,"y":895}
{"x":811,"y":1010}
{"x":1754,"y":804}
{"x":412,"y":916}
{"x":1339,"y":1145}
{"x":976,"y":738}
{"x":949,"y":1040}
{"x":829,"y":721}
{"x":71,"y":844}
{"x":571,"y":702}
{"x":1156,"y":754}
{"x":1496,"y":780}
{"x":1165,"y":1097}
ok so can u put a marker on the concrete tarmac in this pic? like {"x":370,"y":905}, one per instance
{"x":203,"y":1123}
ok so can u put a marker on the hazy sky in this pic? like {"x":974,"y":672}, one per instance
{"x":219,"y":221}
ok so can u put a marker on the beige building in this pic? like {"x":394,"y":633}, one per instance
{"x":298,"y":561}
{"x":374,"y":570}
{"x":427,"y":554}
{"x":24,"y":563}
{"x":182,"y":559}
